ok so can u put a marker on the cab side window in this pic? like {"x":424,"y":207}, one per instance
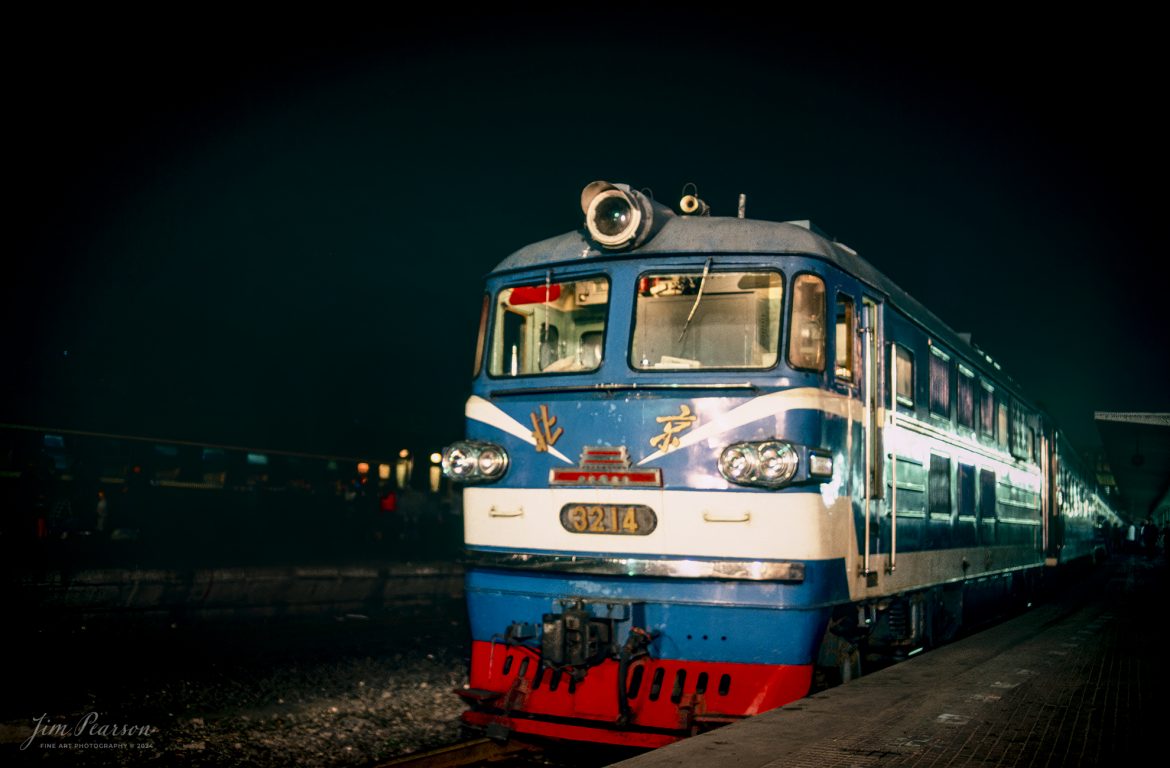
{"x":846,"y":333}
{"x":806,"y":343}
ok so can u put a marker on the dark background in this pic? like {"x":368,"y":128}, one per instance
{"x":271,"y":230}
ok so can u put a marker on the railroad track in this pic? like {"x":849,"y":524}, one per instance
{"x":468,"y":753}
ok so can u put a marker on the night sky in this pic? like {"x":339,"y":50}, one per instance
{"x":272,"y":231}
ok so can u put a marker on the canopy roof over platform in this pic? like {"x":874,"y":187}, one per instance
{"x":1137,"y":446}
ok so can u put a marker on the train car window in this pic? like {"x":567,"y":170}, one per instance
{"x":1001,"y":426}
{"x":549,"y":327}
{"x":940,"y":383}
{"x":165,"y":462}
{"x":846,"y":333}
{"x":966,"y":491}
{"x":1023,"y":437}
{"x":727,"y":320}
{"x":481,"y":337}
{"x":988,"y":533}
{"x":987,"y":410}
{"x":1016,"y":423}
{"x":911,"y":478}
{"x":904,"y":372}
{"x":213,"y":467}
{"x":54,"y":446}
{"x":965,"y":406}
{"x":986,"y":497}
{"x":938,"y":498}
{"x":806,"y":340}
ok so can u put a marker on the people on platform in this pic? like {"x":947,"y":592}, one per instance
{"x":101,"y":514}
{"x":1150,"y":538}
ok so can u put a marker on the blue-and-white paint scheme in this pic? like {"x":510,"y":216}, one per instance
{"x":906,"y":473}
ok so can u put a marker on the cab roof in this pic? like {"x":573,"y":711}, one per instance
{"x":715,"y":235}
{"x":681,"y":235}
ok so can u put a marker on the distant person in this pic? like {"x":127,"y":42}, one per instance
{"x":1131,"y":539}
{"x":101,"y":514}
{"x":1150,"y":538}
{"x":385,"y":524}
{"x":35,"y":480}
{"x":42,"y":514}
{"x":389,"y":501}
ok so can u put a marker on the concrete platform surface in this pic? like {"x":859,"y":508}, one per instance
{"x":1078,"y":680}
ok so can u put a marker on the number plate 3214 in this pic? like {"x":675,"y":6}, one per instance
{"x":621,"y":519}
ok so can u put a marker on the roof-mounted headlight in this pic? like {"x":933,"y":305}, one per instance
{"x":618,"y":217}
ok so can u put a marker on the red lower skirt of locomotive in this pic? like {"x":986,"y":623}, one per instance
{"x":667,"y":699}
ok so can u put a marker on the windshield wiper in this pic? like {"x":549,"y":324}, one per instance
{"x":698,"y":298}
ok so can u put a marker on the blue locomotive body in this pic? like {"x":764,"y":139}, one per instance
{"x":707,"y":457}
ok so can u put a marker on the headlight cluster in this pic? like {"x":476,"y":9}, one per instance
{"x":772,"y":463}
{"x":472,"y":461}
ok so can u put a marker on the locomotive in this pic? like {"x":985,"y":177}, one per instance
{"x":711,"y":461}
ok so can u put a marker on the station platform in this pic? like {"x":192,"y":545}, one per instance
{"x":1080,"y":679}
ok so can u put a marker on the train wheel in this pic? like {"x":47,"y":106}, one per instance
{"x":839,"y":657}
{"x":946,"y":615}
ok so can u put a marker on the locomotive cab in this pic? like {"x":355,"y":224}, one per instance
{"x":650,"y":470}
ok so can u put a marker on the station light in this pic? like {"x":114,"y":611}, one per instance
{"x":403,"y":468}
{"x":435,"y":472}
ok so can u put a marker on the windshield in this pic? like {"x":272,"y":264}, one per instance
{"x":726,"y":320}
{"x":549,"y":328}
